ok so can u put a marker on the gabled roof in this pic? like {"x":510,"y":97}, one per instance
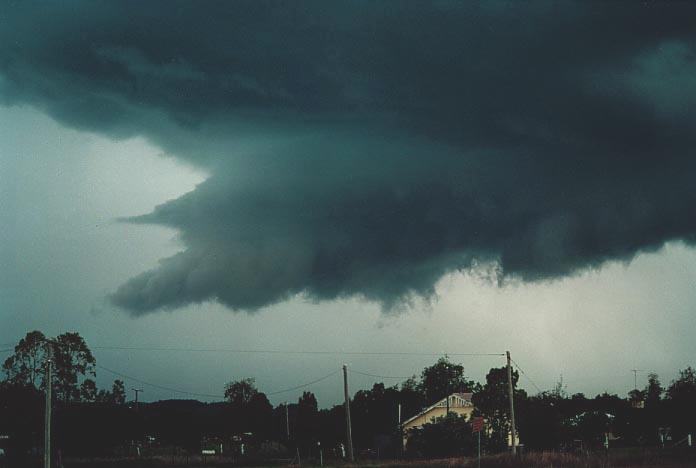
{"x":456,"y":400}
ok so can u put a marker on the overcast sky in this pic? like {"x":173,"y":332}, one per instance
{"x":444,"y":177}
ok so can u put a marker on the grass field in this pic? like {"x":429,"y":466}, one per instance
{"x":616,"y":458}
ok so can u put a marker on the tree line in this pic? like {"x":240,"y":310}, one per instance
{"x":100,"y":422}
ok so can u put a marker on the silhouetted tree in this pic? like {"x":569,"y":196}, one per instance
{"x":118,"y":390}
{"x":492,"y":402}
{"x":306,"y":422}
{"x":443,"y":378}
{"x":88,"y":391}
{"x":72,"y":359}
{"x":21,"y":418}
{"x":241,"y":391}
{"x":411,"y":397}
{"x":117,"y":395}
{"x":259,"y":416}
{"x":681,"y":399}
{"x":26,"y":366}
{"x":449,"y":436}
{"x":653,"y":391}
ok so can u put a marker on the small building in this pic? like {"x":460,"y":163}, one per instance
{"x":459,"y":403}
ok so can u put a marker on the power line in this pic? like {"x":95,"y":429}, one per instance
{"x":526,"y":376}
{"x":160,"y":387}
{"x":208,"y":395}
{"x":280,"y":351}
{"x":379,"y":376}
{"x":304,"y":385}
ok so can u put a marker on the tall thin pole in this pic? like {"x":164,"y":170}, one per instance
{"x":512,"y":405}
{"x":136,"y":390}
{"x":401,"y":433}
{"x":47,"y":423}
{"x":479,"y":448}
{"x":287,"y":422}
{"x":349,"y":436}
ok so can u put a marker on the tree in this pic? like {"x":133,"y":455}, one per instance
{"x":681,"y":402}
{"x":307,"y":419}
{"x":411,"y":397}
{"x":258,"y":414}
{"x":247,"y":406}
{"x":541,"y":419}
{"x":88,"y":391}
{"x":684,"y":386}
{"x":241,"y":391}
{"x":26,"y":366}
{"x":21,"y":418}
{"x":117,"y":395}
{"x":72,"y":358}
{"x":636,"y":396}
{"x":443,"y":378}
{"x":492,"y":401}
{"x":118,"y":392}
{"x":448,"y":436}
{"x":653,"y":391}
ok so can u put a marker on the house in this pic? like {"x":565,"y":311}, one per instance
{"x":459,"y":403}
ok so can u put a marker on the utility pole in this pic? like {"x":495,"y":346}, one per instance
{"x":349,"y":436}
{"x":287,"y":422}
{"x":47,"y":423}
{"x":512,"y":405}
{"x":136,"y":390}
{"x":401,"y":432}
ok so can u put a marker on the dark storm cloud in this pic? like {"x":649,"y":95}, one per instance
{"x":367,"y":148}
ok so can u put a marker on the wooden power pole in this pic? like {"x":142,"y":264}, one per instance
{"x":137,"y":391}
{"x":512,"y":405}
{"x":349,"y":436}
{"x":47,"y":413}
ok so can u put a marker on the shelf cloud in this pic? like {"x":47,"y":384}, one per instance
{"x":366,"y":149}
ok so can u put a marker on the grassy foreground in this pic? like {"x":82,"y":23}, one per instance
{"x":617,"y":458}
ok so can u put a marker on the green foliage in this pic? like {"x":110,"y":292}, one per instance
{"x":72,"y":361}
{"x":374,"y":415}
{"x":590,"y":426}
{"x":28,"y":363}
{"x":241,"y":391}
{"x":448,"y":436}
{"x":541,"y":418}
{"x":681,"y":402}
{"x":306,"y":428}
{"x":411,"y":398}
{"x":21,"y":417}
{"x":636,"y":395}
{"x":492,"y":401}
{"x":118,"y":392}
{"x":250,"y":410}
{"x":549,"y":420}
{"x":117,"y":395}
{"x":88,"y":391}
{"x":653,"y":391}
{"x":444,"y":378}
